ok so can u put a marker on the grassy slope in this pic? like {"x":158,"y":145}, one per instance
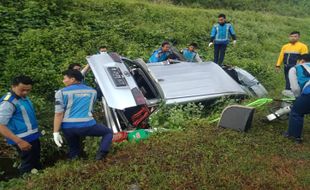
{"x":296,"y":8}
{"x":204,"y":156}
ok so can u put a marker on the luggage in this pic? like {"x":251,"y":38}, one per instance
{"x":237,"y":117}
{"x":120,"y":137}
{"x":138,"y":135}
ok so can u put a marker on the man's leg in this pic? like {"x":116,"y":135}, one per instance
{"x":216,"y":53}
{"x":296,"y":121}
{"x":36,"y":149}
{"x":222,"y":53}
{"x":103,"y":131}
{"x":73,"y":141}
{"x":30,"y":159}
{"x":287,"y":81}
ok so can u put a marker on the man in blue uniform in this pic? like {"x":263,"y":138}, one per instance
{"x":18,"y":123}
{"x":162,"y":54}
{"x":73,"y":114}
{"x":190,"y":53}
{"x":299,"y":77}
{"x":220,"y":34}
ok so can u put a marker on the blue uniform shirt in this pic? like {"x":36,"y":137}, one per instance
{"x":303,"y":77}
{"x":221,"y":33}
{"x":189,"y":55}
{"x":159,"y":56}
{"x":76,"y":101}
{"x":18,"y":115}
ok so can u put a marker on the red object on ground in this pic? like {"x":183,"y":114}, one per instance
{"x":120,"y":137}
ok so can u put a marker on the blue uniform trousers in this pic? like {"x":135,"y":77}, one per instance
{"x":296,"y":121}
{"x":30,"y":159}
{"x":219,"y":53}
{"x":73,"y":136}
{"x":287,"y":67}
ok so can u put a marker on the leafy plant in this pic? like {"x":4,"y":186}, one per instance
{"x":176,"y":116}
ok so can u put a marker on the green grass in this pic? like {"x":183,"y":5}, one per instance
{"x":201,"y":157}
{"x":295,"y":8}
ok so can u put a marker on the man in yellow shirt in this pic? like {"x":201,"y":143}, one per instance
{"x":289,"y":55}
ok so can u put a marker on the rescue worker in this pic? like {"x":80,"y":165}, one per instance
{"x":73,"y":114}
{"x":75,"y":66}
{"x":299,"y":78}
{"x":289,"y":55}
{"x":162,"y":54}
{"x":103,"y":49}
{"x":18,"y":123}
{"x":220,"y":34}
{"x":190,"y":53}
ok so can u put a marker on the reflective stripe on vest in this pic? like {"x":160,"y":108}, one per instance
{"x":77,"y":119}
{"x":29,"y":132}
{"x":26,"y":118}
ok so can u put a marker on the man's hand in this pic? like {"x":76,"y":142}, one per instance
{"x":57,"y":139}
{"x":234,"y":42}
{"x":24,"y":145}
{"x":278,"y":69}
{"x":210,"y":44}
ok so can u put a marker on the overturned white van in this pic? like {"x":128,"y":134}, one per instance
{"x":132,"y":90}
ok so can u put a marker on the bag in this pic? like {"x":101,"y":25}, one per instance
{"x":138,"y":135}
{"x":120,"y":137}
{"x":140,"y":116}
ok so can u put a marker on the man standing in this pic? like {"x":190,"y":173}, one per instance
{"x":190,"y":53}
{"x":73,"y":113}
{"x":289,"y":55}
{"x":220,"y":34}
{"x":299,"y":78}
{"x":162,"y":54}
{"x":18,"y":123}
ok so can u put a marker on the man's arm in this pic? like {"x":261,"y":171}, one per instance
{"x":213,"y":33}
{"x":6,"y":112}
{"x":197,"y":58}
{"x":280,"y":59}
{"x":8,"y":134}
{"x":59,"y":110}
{"x":232,"y":32}
{"x":294,"y":82}
{"x":23,"y":145}
{"x":57,"y":121}
{"x":304,"y":49}
{"x":85,"y":70}
{"x":59,"y":114}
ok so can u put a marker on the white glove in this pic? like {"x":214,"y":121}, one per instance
{"x":57,"y":139}
{"x":234,"y":42}
{"x":210,"y":44}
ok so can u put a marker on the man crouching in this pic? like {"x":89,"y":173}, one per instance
{"x":73,"y":113}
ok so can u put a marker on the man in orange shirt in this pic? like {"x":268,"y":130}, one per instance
{"x":289,"y":55}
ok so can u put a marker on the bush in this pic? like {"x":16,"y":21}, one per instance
{"x":177,"y":116}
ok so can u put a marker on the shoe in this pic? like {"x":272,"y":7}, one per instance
{"x":286,"y":134}
{"x":298,"y":140}
{"x":101,"y":155}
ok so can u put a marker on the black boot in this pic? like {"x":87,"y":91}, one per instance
{"x":101,"y":155}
